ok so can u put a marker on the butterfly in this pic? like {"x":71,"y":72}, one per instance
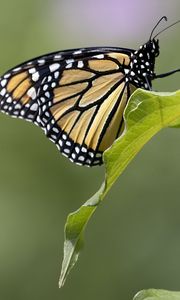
{"x":78,"y":96}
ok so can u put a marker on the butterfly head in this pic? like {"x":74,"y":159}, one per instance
{"x":148,"y":52}
{"x":143,"y":60}
{"x":152,"y":46}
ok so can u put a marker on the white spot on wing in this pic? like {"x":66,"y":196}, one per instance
{"x":44,"y":107}
{"x":55,"y":129}
{"x":47,"y":94}
{"x":58,"y":56}
{"x":68,"y":61}
{"x":45,"y":87}
{"x":53,"y":84}
{"x":3,"y":82}
{"x":100,"y":56}
{"x":60,"y":143}
{"x":3,"y":92}
{"x":81,"y":158}
{"x":42,"y":99}
{"x":9,"y":100}
{"x":41,"y":61}
{"x":17,"y":106}
{"x":35,"y":76}
{"x":77,"y":149}
{"x":91,"y":154}
{"x":77,"y":52}
{"x":32,"y":70}
{"x":73,"y":155}
{"x":69,"y":66}
{"x":56,"y":74}
{"x":80,"y":64}
{"x":7,"y":75}
{"x":83,"y":149}
{"x":22,"y":113}
{"x":32,"y":93}
{"x":17,"y":69}
{"x":64,"y":137}
{"x":34,"y":107}
{"x":68,"y":143}
{"x":54,"y":67}
{"x":67,"y":151}
{"x":88,"y":161}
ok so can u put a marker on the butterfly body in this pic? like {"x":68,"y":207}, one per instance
{"x":78,"y":96}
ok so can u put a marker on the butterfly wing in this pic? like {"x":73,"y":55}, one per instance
{"x":82,"y":110}
{"x":77,"y":96}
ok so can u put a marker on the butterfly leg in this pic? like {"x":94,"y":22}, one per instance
{"x":166,"y":74}
{"x":148,"y":84}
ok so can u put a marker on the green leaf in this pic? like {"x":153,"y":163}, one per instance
{"x":74,"y":230}
{"x":153,"y":294}
{"x":146,"y":114}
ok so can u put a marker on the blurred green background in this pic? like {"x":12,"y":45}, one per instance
{"x":133,"y":240}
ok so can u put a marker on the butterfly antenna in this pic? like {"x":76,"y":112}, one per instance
{"x":167,"y":28}
{"x":163,"y":18}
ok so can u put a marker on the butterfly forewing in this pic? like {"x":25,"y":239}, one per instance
{"x":86,"y":96}
{"x":78,"y":97}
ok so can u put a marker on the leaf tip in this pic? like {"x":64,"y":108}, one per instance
{"x":61,"y":281}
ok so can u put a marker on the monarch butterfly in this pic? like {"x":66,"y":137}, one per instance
{"x":78,"y":96}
